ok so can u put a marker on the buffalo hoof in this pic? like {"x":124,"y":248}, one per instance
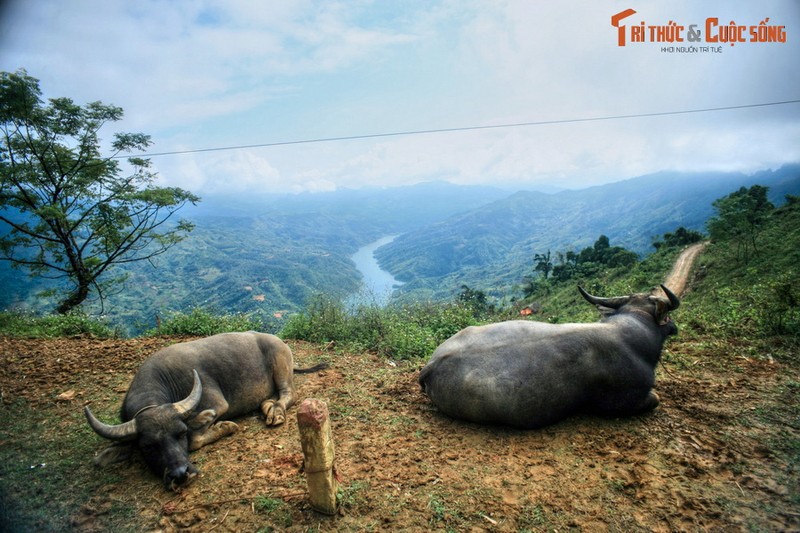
{"x":212,"y":434}
{"x":274,"y":414}
{"x":204,"y":418}
{"x":226,"y":428}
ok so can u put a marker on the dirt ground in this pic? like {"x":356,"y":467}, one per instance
{"x":715,"y":456}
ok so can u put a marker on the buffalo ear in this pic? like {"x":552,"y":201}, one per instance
{"x":662,"y":308}
{"x":116,"y":453}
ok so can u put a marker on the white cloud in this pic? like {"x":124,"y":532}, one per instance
{"x":219,"y":173}
{"x":158,"y":61}
{"x":200,"y":74}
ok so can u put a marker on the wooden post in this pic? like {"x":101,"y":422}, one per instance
{"x":318,"y":455}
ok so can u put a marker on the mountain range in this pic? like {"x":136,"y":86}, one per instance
{"x":492,"y":247}
{"x":269,"y":254}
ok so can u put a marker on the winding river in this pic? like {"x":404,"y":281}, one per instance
{"x":378,"y":284}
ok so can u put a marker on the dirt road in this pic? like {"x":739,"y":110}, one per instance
{"x":678,"y":278}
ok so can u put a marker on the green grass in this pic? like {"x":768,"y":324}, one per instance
{"x":758,"y":300}
{"x":442,"y":513}
{"x":203,"y":322}
{"x":405,"y":332}
{"x":53,"y":461}
{"x":13,"y":324}
{"x":278,"y":512}
{"x":352,"y":496}
{"x":534,"y":518}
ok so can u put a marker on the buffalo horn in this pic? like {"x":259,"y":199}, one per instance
{"x":187,"y":405}
{"x":119,"y":432}
{"x":674,"y":302}
{"x":613,"y":303}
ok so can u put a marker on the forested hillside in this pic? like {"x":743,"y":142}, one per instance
{"x":492,"y":247}
{"x":268,"y":255}
{"x":260,"y":254}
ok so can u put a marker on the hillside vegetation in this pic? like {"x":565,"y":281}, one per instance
{"x":265,"y":256}
{"x":492,"y":247}
{"x":753,"y":297}
{"x":270,"y":257}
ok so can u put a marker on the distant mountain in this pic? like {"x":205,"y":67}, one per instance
{"x":267,"y":254}
{"x":493,"y":246}
{"x":387,"y":210}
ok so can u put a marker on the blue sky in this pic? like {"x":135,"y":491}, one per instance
{"x":202,"y":74}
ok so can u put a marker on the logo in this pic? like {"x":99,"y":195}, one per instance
{"x":706,"y":37}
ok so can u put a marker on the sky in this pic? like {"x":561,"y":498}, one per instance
{"x":262,"y":78}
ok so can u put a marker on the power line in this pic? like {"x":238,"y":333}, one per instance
{"x":464,"y":128}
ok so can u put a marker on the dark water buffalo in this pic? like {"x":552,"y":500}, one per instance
{"x":530,"y":374}
{"x":179,"y":393}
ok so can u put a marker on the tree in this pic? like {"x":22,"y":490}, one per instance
{"x":71,"y":213}
{"x":532,"y":285}
{"x":543,"y":263}
{"x":595,"y":253}
{"x":475,"y":299}
{"x":740,"y":218}
{"x":681,"y":237}
{"x":602,"y":253}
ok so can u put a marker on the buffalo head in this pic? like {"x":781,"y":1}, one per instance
{"x":644,"y":304}
{"x":161,"y":432}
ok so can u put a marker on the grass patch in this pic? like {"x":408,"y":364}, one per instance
{"x":352,"y":496}
{"x":278,"y":512}
{"x":202,"y":322}
{"x":56,"y":459}
{"x":533,"y":518}
{"x":405,"y":332}
{"x":27,"y":325}
{"x":443,"y":514}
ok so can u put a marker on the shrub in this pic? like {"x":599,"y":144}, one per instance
{"x":401,"y":332}
{"x":14,"y":324}
{"x":323,"y":320}
{"x":441,"y":320}
{"x":778,"y":305}
{"x":408,"y":340}
{"x":203,"y":322}
{"x":763,"y":308}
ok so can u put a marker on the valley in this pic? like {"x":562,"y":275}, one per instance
{"x":492,"y":247}
{"x":377,"y":285}
{"x":266,"y":256}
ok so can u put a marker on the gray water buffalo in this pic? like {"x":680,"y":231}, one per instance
{"x":531,"y":374}
{"x":179,"y":394}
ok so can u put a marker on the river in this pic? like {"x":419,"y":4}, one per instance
{"x":378,"y":284}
